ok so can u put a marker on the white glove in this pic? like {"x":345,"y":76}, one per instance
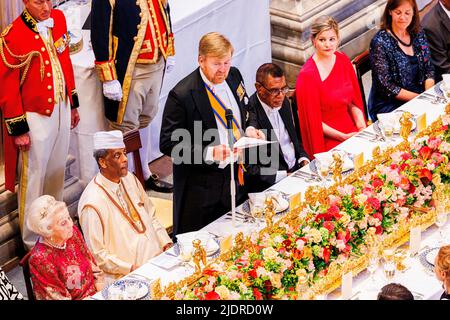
{"x":112,"y":90}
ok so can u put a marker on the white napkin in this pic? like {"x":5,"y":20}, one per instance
{"x":328,"y":158}
{"x":206,"y":239}
{"x":247,"y":142}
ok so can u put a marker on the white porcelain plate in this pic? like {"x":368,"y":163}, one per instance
{"x":121,"y":290}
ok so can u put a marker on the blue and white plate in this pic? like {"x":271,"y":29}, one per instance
{"x":122,"y":290}
{"x":427,"y":258}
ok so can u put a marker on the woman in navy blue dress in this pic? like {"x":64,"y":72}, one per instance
{"x":400,"y":58}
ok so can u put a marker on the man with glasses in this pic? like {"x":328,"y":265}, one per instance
{"x":275,"y":119}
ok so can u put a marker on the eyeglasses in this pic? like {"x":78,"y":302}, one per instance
{"x":275,"y":92}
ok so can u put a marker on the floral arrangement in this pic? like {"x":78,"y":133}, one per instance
{"x":287,"y":262}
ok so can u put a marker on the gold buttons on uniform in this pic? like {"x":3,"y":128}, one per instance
{"x":49,"y":87}
{"x":50,"y":100}
{"x":47,"y":62}
{"x":36,"y":37}
{"x":49,"y":74}
{"x":140,"y":14}
{"x":138,"y":26}
{"x":42,"y":49}
{"x":137,"y":2}
{"x":134,"y":38}
{"x":47,"y":111}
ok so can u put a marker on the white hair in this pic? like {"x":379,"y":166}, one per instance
{"x":41,"y":214}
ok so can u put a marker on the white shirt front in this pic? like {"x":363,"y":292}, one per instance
{"x":287,"y":147}
{"x":223,"y":91}
{"x":286,"y":144}
{"x":445,"y":9}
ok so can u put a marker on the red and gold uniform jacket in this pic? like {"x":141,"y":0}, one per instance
{"x":26,"y":78}
{"x":126,"y":32}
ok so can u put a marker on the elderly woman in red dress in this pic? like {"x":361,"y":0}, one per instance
{"x":61,"y":265}
{"x":330,"y":106}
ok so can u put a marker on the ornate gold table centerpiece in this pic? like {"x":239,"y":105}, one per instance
{"x":306,"y":253}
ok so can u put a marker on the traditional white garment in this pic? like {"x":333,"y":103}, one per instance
{"x":116,"y":240}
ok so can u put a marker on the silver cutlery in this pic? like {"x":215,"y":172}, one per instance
{"x":367,"y":136}
{"x":308,"y":177}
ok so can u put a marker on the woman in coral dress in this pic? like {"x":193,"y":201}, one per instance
{"x":330,"y":107}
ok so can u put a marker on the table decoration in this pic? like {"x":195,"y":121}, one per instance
{"x":335,"y":230}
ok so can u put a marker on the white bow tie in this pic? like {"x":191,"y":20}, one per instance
{"x":43,"y":25}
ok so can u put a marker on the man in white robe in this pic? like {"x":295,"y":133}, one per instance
{"x":116,"y":216}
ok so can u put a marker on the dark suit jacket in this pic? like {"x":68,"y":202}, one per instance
{"x":188,"y":106}
{"x":261,"y":182}
{"x":436,"y":24}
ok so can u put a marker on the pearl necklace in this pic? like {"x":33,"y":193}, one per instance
{"x":54,"y":245}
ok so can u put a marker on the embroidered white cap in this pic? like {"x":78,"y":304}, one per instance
{"x":108,"y":140}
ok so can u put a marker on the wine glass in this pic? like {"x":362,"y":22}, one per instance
{"x":257,"y":211}
{"x":185,"y":254}
{"x":389,"y":264}
{"x":323,"y":169}
{"x":441,"y":219}
{"x":372,"y":267}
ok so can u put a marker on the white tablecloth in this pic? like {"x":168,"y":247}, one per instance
{"x":245,"y":23}
{"x":414,"y":278}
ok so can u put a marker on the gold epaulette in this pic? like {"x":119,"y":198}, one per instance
{"x":6,"y":30}
{"x":25,"y":60}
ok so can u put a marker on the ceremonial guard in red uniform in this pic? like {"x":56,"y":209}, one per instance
{"x":132,"y":41}
{"x":38,"y":101}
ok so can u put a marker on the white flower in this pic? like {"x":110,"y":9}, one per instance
{"x":345,"y":219}
{"x":234,"y":296}
{"x":431,"y":166}
{"x":311,"y":266}
{"x":396,"y":156}
{"x":314,"y":236}
{"x":243,"y":288}
{"x":275,"y":279}
{"x":444,"y":147}
{"x":223,"y":292}
{"x":374,"y":221}
{"x":351,"y":226}
{"x":361,"y":199}
{"x":346,"y":190}
{"x":269,"y":253}
{"x":340,"y":244}
{"x":278,"y":239}
{"x":300,"y":244}
{"x":261,"y":272}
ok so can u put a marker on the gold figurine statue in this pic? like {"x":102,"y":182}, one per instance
{"x":405,"y":125}
{"x":199,"y":255}
{"x":376,"y":153}
{"x":337,"y":166}
{"x":156,"y":291}
{"x":239,"y":244}
{"x":269,"y":211}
